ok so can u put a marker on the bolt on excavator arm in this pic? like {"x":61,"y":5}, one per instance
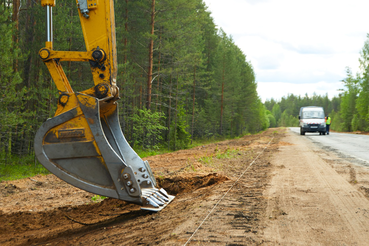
{"x":83,"y":143}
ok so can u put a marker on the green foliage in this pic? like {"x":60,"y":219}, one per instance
{"x":271,"y":118}
{"x":147,"y":128}
{"x":353,"y":114}
{"x":276,"y":112}
{"x":348,"y":102}
{"x":179,"y":137}
{"x":288,"y":120}
{"x":12,"y":93}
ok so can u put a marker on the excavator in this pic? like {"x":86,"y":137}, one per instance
{"x":83,"y":144}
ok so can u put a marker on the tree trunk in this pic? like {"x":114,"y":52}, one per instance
{"x":222,"y":100}
{"x":29,"y":40}
{"x":70,"y":44}
{"x":169,"y":108}
{"x":151,"y":51}
{"x":176,"y":116}
{"x":125,"y":101}
{"x":193,"y":102}
{"x":15,"y":19}
{"x":125,"y":38}
{"x":158,"y":86}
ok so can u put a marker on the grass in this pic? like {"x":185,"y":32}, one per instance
{"x":228,"y":154}
{"x":206,"y":159}
{"x":98,"y":198}
{"x":20,"y":167}
{"x":145,"y":152}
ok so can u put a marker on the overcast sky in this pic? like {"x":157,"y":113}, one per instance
{"x":296,"y":46}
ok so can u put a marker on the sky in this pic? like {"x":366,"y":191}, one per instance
{"x":296,"y":47}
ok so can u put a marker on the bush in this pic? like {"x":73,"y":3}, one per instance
{"x":147,"y":128}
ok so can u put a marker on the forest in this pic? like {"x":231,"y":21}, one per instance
{"x":181,"y":78}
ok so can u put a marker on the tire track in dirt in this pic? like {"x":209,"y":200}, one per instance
{"x":238,"y":210}
{"x":234,"y":219}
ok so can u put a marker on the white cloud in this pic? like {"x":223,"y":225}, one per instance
{"x":277,"y":90}
{"x":296,"y":42}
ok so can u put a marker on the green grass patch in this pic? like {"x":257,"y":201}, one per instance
{"x":211,"y":159}
{"x":20,"y":167}
{"x":228,"y":154}
{"x":145,"y":152}
{"x":98,"y":198}
{"x":206,"y":159}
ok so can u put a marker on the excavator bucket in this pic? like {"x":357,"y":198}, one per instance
{"x":83,"y":144}
{"x":85,"y":147}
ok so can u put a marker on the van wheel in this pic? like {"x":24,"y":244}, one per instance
{"x":301,"y":131}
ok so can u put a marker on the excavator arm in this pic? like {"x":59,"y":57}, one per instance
{"x":83,"y":143}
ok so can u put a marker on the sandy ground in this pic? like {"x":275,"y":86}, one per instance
{"x":272,"y":188}
{"x":316,"y":198}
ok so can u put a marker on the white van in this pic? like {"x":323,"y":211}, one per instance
{"x":312,"y":120}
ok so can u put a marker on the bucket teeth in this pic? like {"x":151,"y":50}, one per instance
{"x":149,"y":202}
{"x":155,"y":200}
{"x":164,"y":192}
{"x":160,"y":203}
{"x":160,"y":196}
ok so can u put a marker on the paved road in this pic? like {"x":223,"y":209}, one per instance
{"x":347,"y":145}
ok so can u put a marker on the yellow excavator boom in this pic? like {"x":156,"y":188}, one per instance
{"x":83,"y":143}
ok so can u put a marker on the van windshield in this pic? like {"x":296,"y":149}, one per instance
{"x":313,"y":115}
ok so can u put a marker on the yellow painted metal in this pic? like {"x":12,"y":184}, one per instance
{"x":69,"y":100}
{"x":99,"y":35}
{"x":92,"y":4}
{"x":49,"y":45}
{"x":99,"y":31}
{"x":47,"y":54}
{"x":48,"y":3}
{"x":76,"y":127}
{"x":59,"y":77}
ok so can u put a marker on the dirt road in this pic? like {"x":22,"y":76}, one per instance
{"x":310,"y":203}
{"x":274,"y":188}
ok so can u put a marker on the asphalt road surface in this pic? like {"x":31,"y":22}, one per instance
{"x":353,"y":146}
